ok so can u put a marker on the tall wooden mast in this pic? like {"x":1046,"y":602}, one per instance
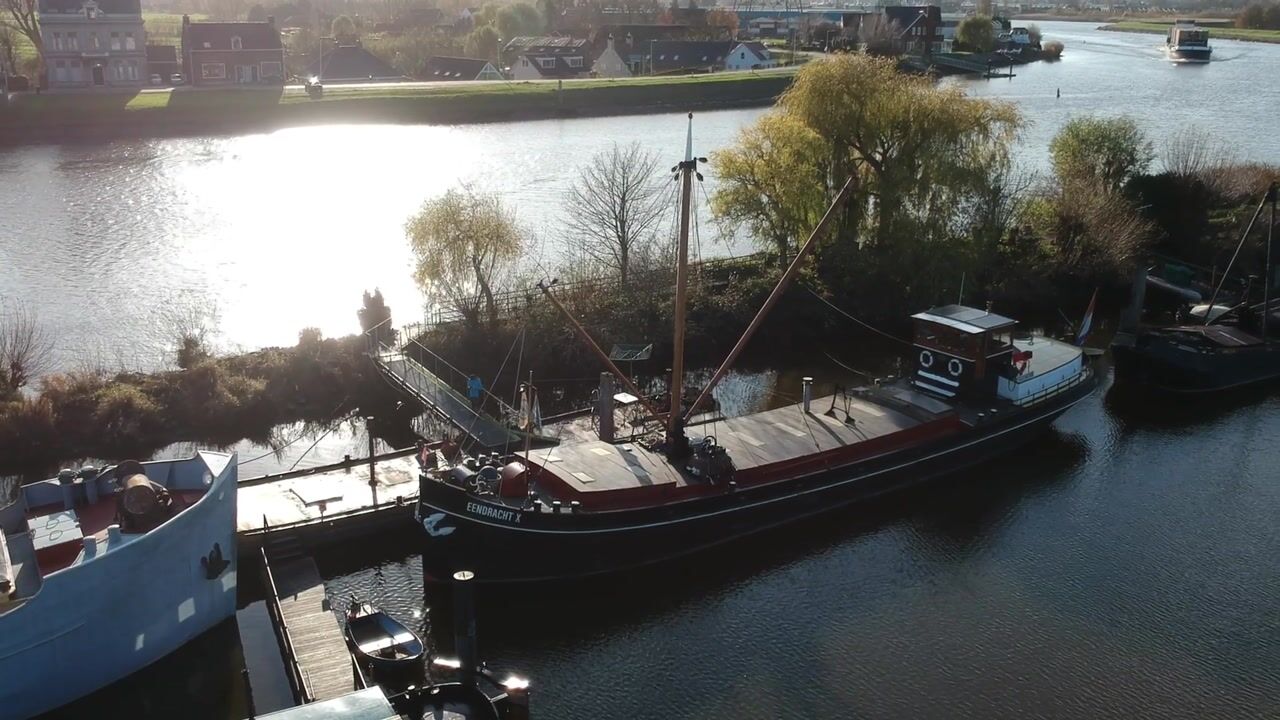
{"x":675,"y":422}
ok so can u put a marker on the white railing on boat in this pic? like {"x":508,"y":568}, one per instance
{"x":1057,"y":389}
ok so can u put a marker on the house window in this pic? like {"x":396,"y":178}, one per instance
{"x":129,"y":43}
{"x":73,"y":41}
{"x":574,"y":62}
{"x":213,"y":71}
{"x":524,"y":62}
{"x":236,"y":44}
{"x":207,"y":45}
{"x":57,"y":41}
{"x":115,"y":41}
{"x":546,"y":63}
{"x":675,"y":57}
{"x":94,"y":41}
{"x":270,"y":71}
{"x":742,"y":56}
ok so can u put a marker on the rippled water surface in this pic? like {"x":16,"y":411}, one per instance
{"x":1124,"y":566}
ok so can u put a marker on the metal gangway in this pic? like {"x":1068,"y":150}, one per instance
{"x":441,"y":398}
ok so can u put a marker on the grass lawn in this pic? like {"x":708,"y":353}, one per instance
{"x":1271,"y":36}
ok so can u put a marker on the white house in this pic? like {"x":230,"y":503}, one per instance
{"x":749,"y":56}
{"x":611,"y":64}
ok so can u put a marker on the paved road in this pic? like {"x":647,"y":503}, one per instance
{"x":435,"y":84}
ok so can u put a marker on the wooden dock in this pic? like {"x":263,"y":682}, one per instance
{"x":302,"y":510}
{"x":312,"y":636}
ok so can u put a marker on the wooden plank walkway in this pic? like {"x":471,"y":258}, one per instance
{"x":318,"y":642}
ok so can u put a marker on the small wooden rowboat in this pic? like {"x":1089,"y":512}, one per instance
{"x":380,"y":642}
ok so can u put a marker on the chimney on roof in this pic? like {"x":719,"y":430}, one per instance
{"x":271,"y":20}
{"x":186,"y":19}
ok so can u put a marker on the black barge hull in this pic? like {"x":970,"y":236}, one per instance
{"x":505,"y":545}
{"x":1163,"y":364}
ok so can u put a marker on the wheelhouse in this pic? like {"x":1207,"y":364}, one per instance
{"x":960,"y":350}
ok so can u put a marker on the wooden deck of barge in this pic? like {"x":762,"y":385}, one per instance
{"x":753,"y":441}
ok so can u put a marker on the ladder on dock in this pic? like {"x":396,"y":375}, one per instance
{"x":317,"y":661}
{"x":443,"y":400}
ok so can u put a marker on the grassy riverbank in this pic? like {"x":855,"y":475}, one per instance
{"x":40,"y":118}
{"x":1226,"y":33}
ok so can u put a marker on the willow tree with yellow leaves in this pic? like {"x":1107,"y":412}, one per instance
{"x":924,"y":159}
{"x":466,"y":244}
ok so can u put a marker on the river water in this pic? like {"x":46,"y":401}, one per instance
{"x":1124,"y":566}
{"x":116,"y":244}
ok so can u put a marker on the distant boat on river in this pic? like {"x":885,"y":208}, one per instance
{"x":1187,"y":42}
{"x":104,"y":572}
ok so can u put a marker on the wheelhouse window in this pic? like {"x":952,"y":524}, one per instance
{"x":948,"y":340}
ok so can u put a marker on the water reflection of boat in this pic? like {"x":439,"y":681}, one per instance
{"x":1187,"y":42}
{"x":604,"y":505}
{"x":104,"y":572}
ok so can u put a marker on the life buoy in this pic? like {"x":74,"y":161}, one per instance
{"x":954,"y":367}
{"x":926,"y":359}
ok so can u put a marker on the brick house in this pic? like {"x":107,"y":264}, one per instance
{"x":90,"y":43}
{"x":234,"y":53}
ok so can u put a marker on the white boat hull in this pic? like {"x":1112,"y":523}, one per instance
{"x":109,"y":616}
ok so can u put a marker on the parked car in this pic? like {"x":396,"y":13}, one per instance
{"x":156,"y":79}
{"x":176,"y":79}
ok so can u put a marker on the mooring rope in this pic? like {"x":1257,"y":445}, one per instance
{"x":872,"y":328}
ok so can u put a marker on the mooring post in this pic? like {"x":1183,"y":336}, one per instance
{"x":806,"y":385}
{"x":368,"y":429}
{"x":604,"y":407}
{"x":464,"y":624}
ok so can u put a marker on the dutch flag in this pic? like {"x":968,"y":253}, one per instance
{"x":1087,"y":323}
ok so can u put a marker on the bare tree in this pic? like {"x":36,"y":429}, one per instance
{"x":879,"y":35}
{"x":1192,"y":152}
{"x":26,"y":351}
{"x":8,"y":49}
{"x":24,"y":16}
{"x":616,"y":206}
{"x":1096,"y":232}
{"x":188,"y":326}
